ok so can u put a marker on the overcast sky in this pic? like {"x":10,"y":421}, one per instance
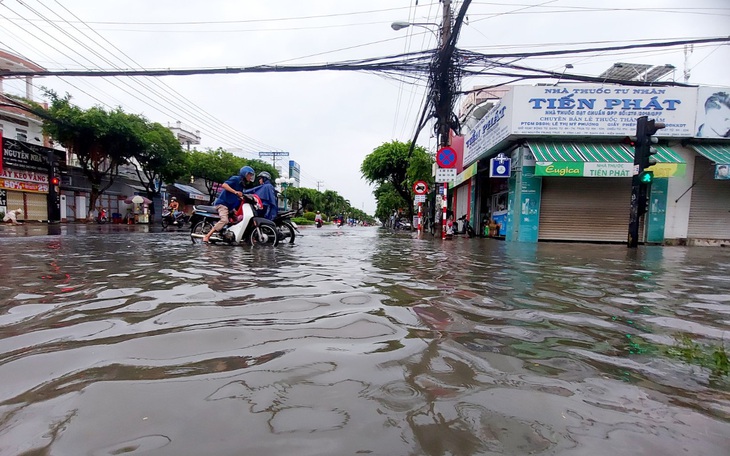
{"x":327,"y":121}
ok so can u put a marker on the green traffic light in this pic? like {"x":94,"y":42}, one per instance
{"x":646,"y":177}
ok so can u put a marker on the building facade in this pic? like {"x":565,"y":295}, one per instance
{"x":572,"y":162}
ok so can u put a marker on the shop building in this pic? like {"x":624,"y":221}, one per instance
{"x":571,"y":164}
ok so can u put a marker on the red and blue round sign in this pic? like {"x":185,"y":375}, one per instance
{"x":446,"y":157}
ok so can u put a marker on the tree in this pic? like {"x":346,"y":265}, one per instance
{"x":161,"y":157}
{"x":391,"y":164}
{"x":101,"y":140}
{"x":388,"y":201}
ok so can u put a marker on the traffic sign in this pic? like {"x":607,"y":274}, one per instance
{"x":419,"y":199}
{"x":446,"y":157}
{"x":445,"y":174}
{"x":420,"y":188}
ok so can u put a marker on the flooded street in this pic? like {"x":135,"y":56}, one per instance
{"x":356,"y":341}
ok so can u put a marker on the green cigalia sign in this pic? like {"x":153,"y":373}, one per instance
{"x":562,"y":169}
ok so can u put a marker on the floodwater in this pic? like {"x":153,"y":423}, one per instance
{"x":356,"y":341}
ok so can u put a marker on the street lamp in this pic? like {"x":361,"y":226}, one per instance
{"x":568,"y":66}
{"x":398,"y":25}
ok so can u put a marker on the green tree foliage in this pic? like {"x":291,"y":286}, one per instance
{"x":391,"y":164}
{"x":101,"y":140}
{"x":388,"y":201}
{"x":160,"y":159}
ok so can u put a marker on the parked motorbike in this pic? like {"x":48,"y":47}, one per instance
{"x":285,"y":226}
{"x":465,"y":227}
{"x":169,"y":219}
{"x":243,"y":224}
{"x":102,"y":218}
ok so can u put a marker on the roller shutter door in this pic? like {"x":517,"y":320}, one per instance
{"x":585,"y":209}
{"x":15,"y":201}
{"x":37,"y":206}
{"x":709,"y":215}
{"x":34,"y":205}
{"x":462,"y":201}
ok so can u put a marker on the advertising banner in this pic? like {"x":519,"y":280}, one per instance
{"x":601,"y":110}
{"x":713,"y":113}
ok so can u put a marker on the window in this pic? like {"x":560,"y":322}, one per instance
{"x":21,"y":135}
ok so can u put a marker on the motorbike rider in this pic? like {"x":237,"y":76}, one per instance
{"x":230,"y":198}
{"x":266,"y":191}
{"x":174,"y":208}
{"x":318,"y":218}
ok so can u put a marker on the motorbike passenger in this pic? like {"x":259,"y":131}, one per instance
{"x":266,"y":191}
{"x":230,"y":198}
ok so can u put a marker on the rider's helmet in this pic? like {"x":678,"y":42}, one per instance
{"x":317,"y":212}
{"x":246,"y":170}
{"x":265,"y":175}
{"x":173,"y":198}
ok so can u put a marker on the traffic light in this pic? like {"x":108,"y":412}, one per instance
{"x":55,"y":181}
{"x":646,"y":177}
{"x":644,"y":148}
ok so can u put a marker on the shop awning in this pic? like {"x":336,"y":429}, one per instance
{"x":192,"y":192}
{"x":719,"y":154}
{"x":604,"y":153}
{"x":597,"y":153}
{"x":554,"y":151}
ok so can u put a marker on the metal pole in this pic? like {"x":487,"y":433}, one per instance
{"x":637,"y":195}
{"x":420,"y":216}
{"x":443,"y":211}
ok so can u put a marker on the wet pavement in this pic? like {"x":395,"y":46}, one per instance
{"x":129,"y":340}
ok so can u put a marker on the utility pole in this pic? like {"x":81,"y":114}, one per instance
{"x":319,"y":183}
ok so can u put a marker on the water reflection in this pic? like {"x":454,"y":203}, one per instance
{"x":356,"y":341}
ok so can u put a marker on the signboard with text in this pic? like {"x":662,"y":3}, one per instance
{"x":580,"y":110}
{"x":445,"y":174}
{"x":21,"y":155}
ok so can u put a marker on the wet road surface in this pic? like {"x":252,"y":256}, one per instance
{"x":355,"y":341}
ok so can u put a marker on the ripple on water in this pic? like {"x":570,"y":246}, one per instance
{"x":138,"y":445}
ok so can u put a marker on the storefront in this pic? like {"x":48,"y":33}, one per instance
{"x":709,"y":215}
{"x":572,"y":168}
{"x":24,"y":176}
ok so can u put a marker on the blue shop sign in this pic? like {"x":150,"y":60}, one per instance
{"x":500,"y":166}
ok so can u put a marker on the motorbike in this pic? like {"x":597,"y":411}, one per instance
{"x":465,"y":227}
{"x":285,"y":226}
{"x":102,"y":218}
{"x":318,"y":223}
{"x":243,"y":224}
{"x":169,"y":219}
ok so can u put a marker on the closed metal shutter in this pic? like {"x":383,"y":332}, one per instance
{"x":37,"y":205}
{"x":462,"y":201}
{"x":34,"y":205}
{"x":15,"y":201}
{"x":585,"y":209}
{"x":709,"y":212}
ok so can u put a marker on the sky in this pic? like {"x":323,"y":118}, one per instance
{"x":328,"y":121}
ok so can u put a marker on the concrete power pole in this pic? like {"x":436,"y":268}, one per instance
{"x":319,"y":184}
